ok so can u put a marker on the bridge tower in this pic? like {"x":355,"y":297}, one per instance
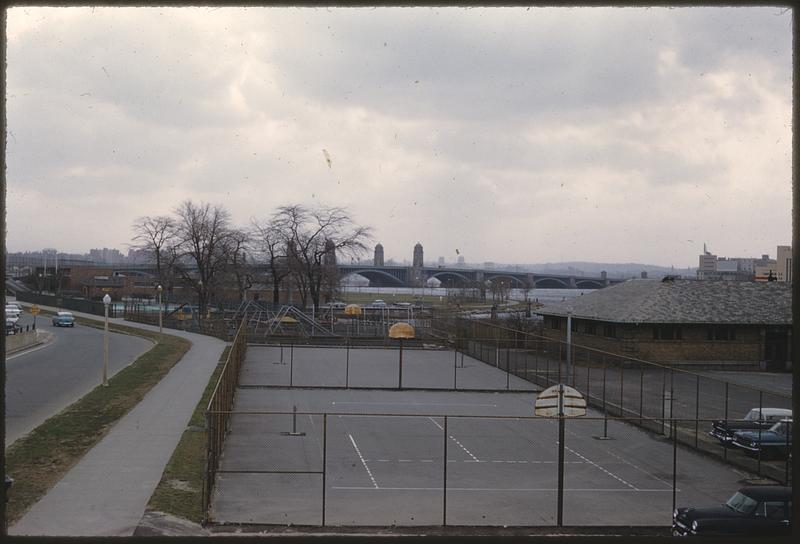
{"x":378,"y":259}
{"x":417,"y":277}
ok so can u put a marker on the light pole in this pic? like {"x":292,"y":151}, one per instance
{"x":106,"y":302}
{"x":160,"y":331}
{"x":569,"y":347}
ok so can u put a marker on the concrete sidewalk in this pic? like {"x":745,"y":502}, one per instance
{"x":106,"y":493}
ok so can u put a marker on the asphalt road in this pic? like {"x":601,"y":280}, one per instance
{"x":46,"y":379}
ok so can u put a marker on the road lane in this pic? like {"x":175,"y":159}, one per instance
{"x":42,"y":382}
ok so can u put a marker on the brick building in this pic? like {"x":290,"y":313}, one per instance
{"x":682,"y":321}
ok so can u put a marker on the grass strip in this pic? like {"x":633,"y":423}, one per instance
{"x":180,"y":491}
{"x":40,"y":459}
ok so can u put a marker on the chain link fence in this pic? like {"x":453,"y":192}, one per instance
{"x":390,"y":469}
{"x":218,"y":410}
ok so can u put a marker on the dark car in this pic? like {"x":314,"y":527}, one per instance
{"x":751,"y":511}
{"x":773,"y":443}
{"x":757,"y":418}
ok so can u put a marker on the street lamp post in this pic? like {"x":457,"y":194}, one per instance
{"x":160,"y":331}
{"x":106,"y":302}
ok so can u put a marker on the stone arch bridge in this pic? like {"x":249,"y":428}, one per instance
{"x":405,"y":276}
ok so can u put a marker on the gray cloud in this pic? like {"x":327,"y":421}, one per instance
{"x":512,"y":134}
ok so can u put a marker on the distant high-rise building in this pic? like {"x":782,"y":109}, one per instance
{"x":378,"y":260}
{"x":461,"y":260}
{"x":784,"y":263}
{"x":707,"y":265}
{"x":440,"y":261}
{"x":105,"y":256}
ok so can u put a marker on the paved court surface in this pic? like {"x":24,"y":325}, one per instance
{"x":372,"y":367}
{"x":494,"y":464}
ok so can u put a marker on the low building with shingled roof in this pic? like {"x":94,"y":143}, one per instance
{"x":674,"y":321}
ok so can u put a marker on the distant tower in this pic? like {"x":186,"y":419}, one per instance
{"x":417,"y":262}
{"x":416,"y":267}
{"x":378,"y":260}
{"x":329,"y":258}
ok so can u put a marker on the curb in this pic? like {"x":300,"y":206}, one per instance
{"x":46,"y":338}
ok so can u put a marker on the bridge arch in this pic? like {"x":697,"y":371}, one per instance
{"x":441,"y":276}
{"x":518,"y":283}
{"x":377,"y":275}
{"x":550,"y":283}
{"x":589,"y":284}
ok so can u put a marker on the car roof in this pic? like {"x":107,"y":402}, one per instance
{"x":775,"y":411}
{"x":767,"y":492}
{"x":64,"y":313}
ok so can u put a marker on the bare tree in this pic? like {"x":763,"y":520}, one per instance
{"x":270,"y":242}
{"x":156,"y":236}
{"x":204,"y":235}
{"x":314,"y":237}
{"x":238,"y":243}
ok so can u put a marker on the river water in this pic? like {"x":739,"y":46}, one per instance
{"x":544,"y":296}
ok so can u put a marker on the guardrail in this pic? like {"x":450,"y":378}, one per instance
{"x":218,"y":411}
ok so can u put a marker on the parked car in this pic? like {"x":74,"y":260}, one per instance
{"x":12,"y":311}
{"x":378,"y":303}
{"x":337,"y":304}
{"x":772,"y":443}
{"x":757,"y":418}
{"x":12,"y":327}
{"x":752,"y":511}
{"x":64,"y":319}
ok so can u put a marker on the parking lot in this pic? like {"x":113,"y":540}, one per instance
{"x":385,"y":456}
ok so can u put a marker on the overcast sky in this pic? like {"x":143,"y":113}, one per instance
{"x":512,"y":135}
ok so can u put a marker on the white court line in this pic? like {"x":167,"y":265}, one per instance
{"x":363,"y":462}
{"x":413,"y":404}
{"x":639,"y":468}
{"x":601,"y":468}
{"x":456,"y":441}
{"x":523,"y":489}
{"x":523,"y":461}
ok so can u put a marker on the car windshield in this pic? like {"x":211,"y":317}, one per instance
{"x":742,"y":503}
{"x":753,"y":415}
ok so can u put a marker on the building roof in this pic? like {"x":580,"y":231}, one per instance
{"x":683,"y":301}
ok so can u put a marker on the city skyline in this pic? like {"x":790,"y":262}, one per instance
{"x":538,"y":135}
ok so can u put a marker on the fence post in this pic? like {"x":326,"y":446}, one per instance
{"x":588,"y":371}
{"x":761,"y":415}
{"x":674,"y":458}
{"x":605,"y":412}
{"x":525,"y":356}
{"x":455,"y":368}
{"x":444,"y":476}
{"x":621,"y":387}
{"x":641,"y":394}
{"x":547,"y":371}
{"x":347,"y":366}
{"x":725,"y":415}
{"x":291,"y":365}
{"x":697,"y":412}
{"x":508,"y":372}
{"x":560,"y":379}
{"x":663,"y":396}
{"x":324,"y":461}
{"x":207,"y":473}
